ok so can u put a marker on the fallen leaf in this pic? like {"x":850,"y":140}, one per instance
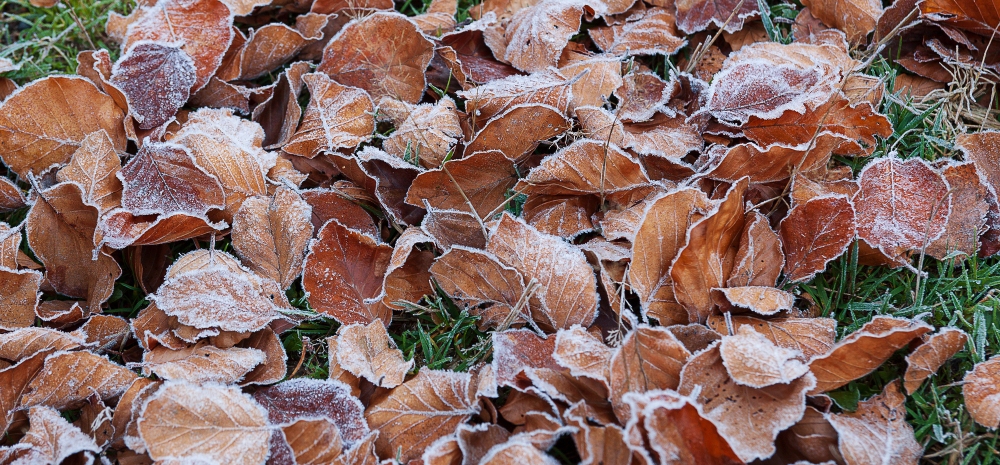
{"x":649,"y":32}
{"x":761,"y":300}
{"x":705,"y":261}
{"x":814,"y":233}
{"x":567,"y":293}
{"x":648,"y":359}
{"x":68,"y":378}
{"x":968,"y":189}
{"x":583,"y":354}
{"x":64,"y":110}
{"x":534,"y":123}
{"x":877,"y":432}
{"x":19,"y":296}
{"x":484,"y":178}
{"x":926,"y":359}
{"x":52,"y":439}
{"x":219,"y":423}
{"x":902,"y":205}
{"x":94,"y":167}
{"x":343,"y":274}
{"x":863,"y":351}
{"x":698,"y":15}
{"x":366,"y":351}
{"x":571,"y":171}
{"x":477,"y":277}
{"x":857,"y":18}
{"x":313,"y":441}
{"x":753,"y":360}
{"x":537,"y":35}
{"x":300,"y":398}
{"x":163,"y":178}
{"x":156,"y":78}
{"x":22,"y":343}
{"x":384,"y":54}
{"x":271,"y":236}
{"x":661,"y":235}
{"x":337,"y":117}
{"x":421,"y":410}
{"x":675,"y":428}
{"x":203,"y":27}
{"x":748,"y":418}
{"x":427,"y":133}
{"x":759,"y":259}
{"x":202,"y":363}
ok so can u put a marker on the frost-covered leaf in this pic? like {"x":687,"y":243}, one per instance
{"x":753,"y":360}
{"x":271,"y":236}
{"x":814,"y":233}
{"x":337,"y":117}
{"x":877,"y":432}
{"x":925,"y":360}
{"x":649,"y":359}
{"x":367,"y":352}
{"x":300,"y":398}
{"x":537,"y":35}
{"x":185,"y":421}
{"x":163,"y":178}
{"x":69,"y":378}
{"x":202,"y":363}
{"x":156,"y":78}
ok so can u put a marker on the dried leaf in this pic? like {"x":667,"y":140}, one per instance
{"x":659,"y":237}
{"x":384,"y":54}
{"x":534,"y":123}
{"x":567,"y":293}
{"x":163,"y":178}
{"x":584,"y":354}
{"x":184,"y":421}
{"x":762,"y":300}
{"x":857,"y":18}
{"x":367,"y":352}
{"x":343,"y":274}
{"x":863,"y":351}
{"x":572,"y":171}
{"x":649,"y":32}
{"x":477,"y":277}
{"x":156,"y":78}
{"x":814,"y":233}
{"x":698,"y":15}
{"x":337,"y":117}
{"x":902,"y":205}
{"x":706,"y":260}
{"x":203,"y":27}
{"x":537,"y":35}
{"x":748,"y":418}
{"x":759,"y":259}
{"x":649,"y":359}
{"x":300,"y":398}
{"x":63,"y":111}
{"x":877,"y":432}
{"x":94,"y":167}
{"x":497,"y":96}
{"x":753,"y":360}
{"x":68,"y":378}
{"x":22,"y":343}
{"x":925,"y":360}
{"x":52,"y":439}
{"x":19,"y":296}
{"x":421,"y":410}
{"x":271,"y":236}
{"x":202,"y":363}
{"x":484,"y":178}
{"x":427,"y":133}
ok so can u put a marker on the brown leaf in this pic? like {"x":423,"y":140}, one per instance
{"x":19,"y":296}
{"x":104,"y":332}
{"x":583,"y":354}
{"x":22,"y":343}
{"x":925,"y":360}
{"x":766,"y":79}
{"x":163,"y":178}
{"x":657,"y":241}
{"x":965,"y":223}
{"x":300,"y":398}
{"x":68,"y":378}
{"x":863,"y":351}
{"x":546,"y":87}
{"x":483,"y":178}
{"x":156,"y":78}
{"x":534,"y":123}
{"x":563,"y":216}
{"x":477,"y":277}
{"x":203,"y":27}
{"x":518,"y":451}
{"x":53,"y":230}
{"x":648,"y":359}
{"x":274,"y":44}
{"x":219,"y":423}
{"x":649,"y":32}
{"x":748,"y":418}
{"x":63,"y":111}
{"x":567,"y":293}
{"x":202,"y":363}
{"x":675,"y":429}
{"x":421,"y":410}
{"x":11,"y":197}
{"x":810,"y":336}
{"x":572,"y":171}
{"x":902,"y":205}
{"x":366,"y":351}
{"x":337,"y":117}
{"x":759,"y":259}
{"x":837,"y":116}
{"x":762,"y":300}
{"x":218,"y":294}
{"x":753,"y":360}
{"x":119,"y":229}
{"x":698,"y":15}
{"x":313,"y":441}
{"x":603,"y":74}
{"x":271,"y":235}
{"x":343,"y":275}
{"x":273,"y":369}
{"x":537,"y":35}
{"x":857,"y":18}
{"x":877,"y":432}
{"x":384,"y":54}
{"x":706,"y":260}
{"x":328,"y":204}
{"x":976,"y":18}
{"x":814,"y":233}
{"x":774,"y":162}
{"x":408,"y":277}
{"x":94,"y":167}
{"x":10,"y":246}
{"x":13,"y":381}
{"x":52,"y":439}
{"x":425,"y":132}
{"x":228,"y":148}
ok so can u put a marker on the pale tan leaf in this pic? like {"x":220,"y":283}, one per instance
{"x":219,"y":423}
{"x":94,"y":167}
{"x":271,"y":236}
{"x":202,"y":363}
{"x":337,"y":117}
{"x":753,"y":360}
{"x":650,"y":358}
{"x":68,"y":378}
{"x":367,"y":352}
{"x":22,"y":343}
{"x":877,"y":433}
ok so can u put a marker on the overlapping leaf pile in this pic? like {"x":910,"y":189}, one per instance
{"x":628,"y":235}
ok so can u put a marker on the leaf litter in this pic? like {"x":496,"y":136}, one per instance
{"x":624,"y":238}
